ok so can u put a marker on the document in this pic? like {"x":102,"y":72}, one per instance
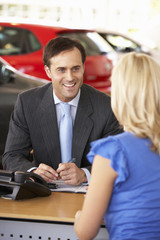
{"x":60,"y":186}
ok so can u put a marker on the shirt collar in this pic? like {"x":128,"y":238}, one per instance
{"x":73,"y":102}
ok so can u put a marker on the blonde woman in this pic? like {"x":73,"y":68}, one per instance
{"x":125,"y":183}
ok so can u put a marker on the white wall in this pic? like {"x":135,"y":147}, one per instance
{"x":118,"y":15}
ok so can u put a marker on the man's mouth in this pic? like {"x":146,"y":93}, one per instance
{"x":69,"y":85}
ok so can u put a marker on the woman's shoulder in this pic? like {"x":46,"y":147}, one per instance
{"x":113,"y":149}
{"x":109,"y":146}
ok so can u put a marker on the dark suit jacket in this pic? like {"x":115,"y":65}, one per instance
{"x":34,"y":126}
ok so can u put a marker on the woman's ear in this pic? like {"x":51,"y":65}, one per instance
{"x":47,"y":70}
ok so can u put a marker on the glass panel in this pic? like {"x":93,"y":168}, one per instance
{"x":34,"y":43}
{"x":9,"y":41}
{"x":93,"y":43}
{"x":121,"y":43}
{"x":15,"y":41}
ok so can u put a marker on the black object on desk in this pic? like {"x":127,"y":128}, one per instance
{"x":22,"y":185}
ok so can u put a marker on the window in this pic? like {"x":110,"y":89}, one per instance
{"x":121,"y":44}
{"x":15,"y":41}
{"x":91,"y":41}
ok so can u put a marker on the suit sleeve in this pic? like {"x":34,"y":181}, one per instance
{"x":17,"y":154}
{"x":112,"y":126}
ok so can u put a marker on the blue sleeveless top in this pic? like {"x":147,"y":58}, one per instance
{"x":134,"y":209}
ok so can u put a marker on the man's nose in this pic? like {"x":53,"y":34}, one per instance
{"x":69,"y":75}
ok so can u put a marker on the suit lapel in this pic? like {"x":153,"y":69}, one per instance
{"x":49,"y":127}
{"x":82,"y":126}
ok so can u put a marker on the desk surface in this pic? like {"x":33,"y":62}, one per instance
{"x":58,"y":206}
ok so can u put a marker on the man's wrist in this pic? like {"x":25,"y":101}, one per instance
{"x":86,"y":176}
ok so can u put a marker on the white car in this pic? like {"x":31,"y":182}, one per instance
{"x":122,"y":43}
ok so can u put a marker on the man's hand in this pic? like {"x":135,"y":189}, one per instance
{"x":47,"y":172}
{"x":71,"y":174}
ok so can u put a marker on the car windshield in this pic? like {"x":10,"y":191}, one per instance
{"x":93,"y":43}
{"x":121,"y":43}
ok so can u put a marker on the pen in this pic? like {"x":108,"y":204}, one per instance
{"x":73,"y":160}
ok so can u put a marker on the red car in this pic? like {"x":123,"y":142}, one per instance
{"x":22,"y":45}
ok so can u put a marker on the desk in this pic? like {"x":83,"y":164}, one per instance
{"x":45,"y":218}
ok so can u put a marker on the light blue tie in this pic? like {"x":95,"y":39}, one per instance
{"x":65,"y":133}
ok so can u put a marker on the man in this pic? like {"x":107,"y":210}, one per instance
{"x":35,"y":122}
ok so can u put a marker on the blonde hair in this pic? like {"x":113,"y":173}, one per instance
{"x":135,"y":96}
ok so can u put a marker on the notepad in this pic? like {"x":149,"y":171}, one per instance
{"x":61,"y":186}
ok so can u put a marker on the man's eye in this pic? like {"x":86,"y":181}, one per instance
{"x":61,"y":69}
{"x":76,"y":68}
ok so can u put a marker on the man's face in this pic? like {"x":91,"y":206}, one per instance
{"x":66,"y":72}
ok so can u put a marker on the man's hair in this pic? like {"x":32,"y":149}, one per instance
{"x":60,"y":44}
{"x":135,"y":96}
